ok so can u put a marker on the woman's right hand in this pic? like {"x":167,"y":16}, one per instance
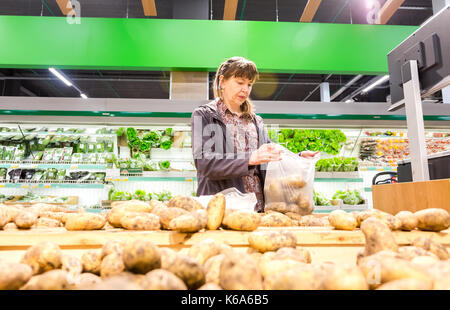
{"x":266,"y":153}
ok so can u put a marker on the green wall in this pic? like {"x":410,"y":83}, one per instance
{"x":157,"y":44}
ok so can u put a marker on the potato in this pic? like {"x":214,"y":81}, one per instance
{"x":117,"y":282}
{"x":25,"y":219}
{"x":302,"y":277}
{"x":188,"y":270}
{"x":432,"y":219}
{"x":12,"y":211}
{"x":345,"y":278}
{"x":111,"y":265}
{"x":184,"y":202}
{"x":275,"y":192}
{"x":168,"y":214}
{"x":282,"y":207}
{"x":85,"y":280}
{"x":409,"y":252}
{"x":241,"y":220}
{"x":132,"y":206}
{"x":160,"y":279}
{"x":297,"y":254}
{"x":433,"y":246}
{"x":271,"y":240}
{"x":4,"y":217}
{"x":210,"y":287}
{"x":379,"y":270}
{"x":47,"y":222}
{"x":85,"y":221}
{"x":13,"y":275}
{"x":203,"y":250}
{"x":58,"y":216}
{"x":294,"y":181}
{"x":42,"y":257}
{"x":188,"y":223}
{"x":342,"y":220}
{"x":275,"y":219}
{"x":113,"y":246}
{"x":212,"y":269}
{"x":50,"y":280}
{"x":141,"y":256}
{"x":92,"y":261}
{"x":425,"y":261}
{"x":378,"y":236}
{"x":294,"y":216}
{"x":167,"y":257}
{"x":407,"y":284}
{"x":239,"y":272}
{"x":156,"y":203}
{"x":115,"y":215}
{"x":311,"y":220}
{"x":269,"y":267}
{"x":71,"y":264}
{"x":140,"y":221}
{"x":216,"y":211}
{"x":10,"y":226}
{"x":408,"y":219}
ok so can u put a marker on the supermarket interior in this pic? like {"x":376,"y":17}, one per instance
{"x":100,"y":186}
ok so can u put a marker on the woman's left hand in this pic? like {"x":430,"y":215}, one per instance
{"x":309,"y":154}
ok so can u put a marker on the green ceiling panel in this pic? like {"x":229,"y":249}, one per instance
{"x":158,"y":44}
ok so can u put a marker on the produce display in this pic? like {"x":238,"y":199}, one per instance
{"x":320,"y":199}
{"x":337,"y":164}
{"x":350,"y":197}
{"x":115,"y":195}
{"x":143,"y":140}
{"x":53,"y":175}
{"x":297,"y":140}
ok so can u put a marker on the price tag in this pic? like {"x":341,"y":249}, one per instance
{"x":25,"y":186}
{"x":126,"y":179}
{"x":109,"y":179}
{"x":116,"y":179}
{"x":363,"y":169}
{"x":73,"y":167}
{"x":2,"y":185}
{"x":380,"y":169}
{"x":34,"y":186}
{"x":34,"y":167}
{"x":14,"y":167}
{"x":47,"y":186}
{"x":188,"y":179}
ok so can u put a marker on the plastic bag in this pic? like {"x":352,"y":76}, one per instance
{"x":289,"y":184}
{"x":234,"y":200}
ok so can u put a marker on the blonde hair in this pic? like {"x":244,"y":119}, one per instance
{"x":237,"y":67}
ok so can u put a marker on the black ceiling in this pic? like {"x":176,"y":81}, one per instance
{"x":155,"y":84}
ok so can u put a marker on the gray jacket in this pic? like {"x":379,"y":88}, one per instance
{"x":226,"y":168}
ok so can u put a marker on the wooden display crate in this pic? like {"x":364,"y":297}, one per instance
{"x":412,"y":196}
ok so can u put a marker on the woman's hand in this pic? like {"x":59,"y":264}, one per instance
{"x":308,"y":154}
{"x":266,"y":152}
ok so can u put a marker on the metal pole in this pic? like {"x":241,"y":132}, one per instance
{"x":414,"y":120}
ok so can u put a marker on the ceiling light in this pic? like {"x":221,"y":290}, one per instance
{"x":378,"y":82}
{"x":83,"y":96}
{"x":60,"y":76}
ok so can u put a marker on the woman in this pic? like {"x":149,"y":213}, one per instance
{"x":230,"y":144}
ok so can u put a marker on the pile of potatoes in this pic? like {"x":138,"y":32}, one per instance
{"x":432,"y":219}
{"x":182,"y":214}
{"x":273,"y":261}
{"x":289,"y":194}
{"x":43,"y":215}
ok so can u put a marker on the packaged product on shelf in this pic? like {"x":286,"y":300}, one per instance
{"x":58,"y":155}
{"x":14,"y":174}
{"x":67,"y":154}
{"x":2,"y":152}
{"x":48,"y":154}
{"x":3,"y":172}
{"x":42,"y":143}
{"x":109,"y":146}
{"x":91,"y":147}
{"x":50,"y":174}
{"x":99,"y":147}
{"x":77,"y":158}
{"x":77,"y":175}
{"x":101,"y":158}
{"x":92,"y":158}
{"x":19,"y":155}
{"x":27,"y":174}
{"x":61,"y":175}
{"x":38,"y":175}
{"x":97,"y":176}
{"x":349,"y":197}
{"x":289,"y":183}
{"x":8,"y":153}
{"x":82,"y":146}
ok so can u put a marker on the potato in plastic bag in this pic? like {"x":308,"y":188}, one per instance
{"x":291,"y":180}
